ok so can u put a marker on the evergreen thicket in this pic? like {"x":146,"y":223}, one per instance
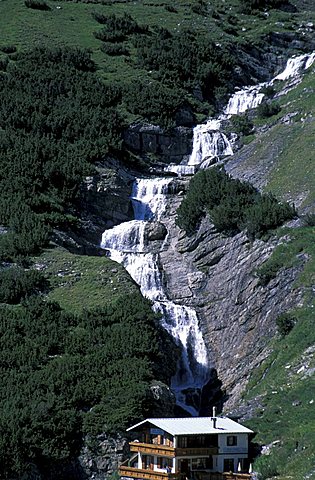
{"x":56,"y":119}
{"x":232,"y":205}
{"x":185,"y":60}
{"x":65,"y":376}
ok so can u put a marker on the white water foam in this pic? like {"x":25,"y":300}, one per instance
{"x":126,"y":245}
{"x":210,"y":142}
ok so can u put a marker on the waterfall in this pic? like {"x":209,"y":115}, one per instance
{"x":126,"y":245}
{"x":243,"y":100}
{"x":209,"y":142}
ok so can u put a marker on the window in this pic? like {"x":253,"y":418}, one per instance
{"x":228,"y":465}
{"x":231,"y":440}
{"x":182,"y":442}
{"x":164,"y":463}
{"x":205,"y":463}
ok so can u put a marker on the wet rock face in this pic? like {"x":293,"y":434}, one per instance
{"x":162,"y":400}
{"x":102,"y":458}
{"x":216,"y":275}
{"x":156,"y":231}
{"x":168,"y":146}
{"x":106,"y":199}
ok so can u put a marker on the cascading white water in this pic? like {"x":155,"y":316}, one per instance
{"x":244,"y":100}
{"x":209,"y":141}
{"x":126,"y":244}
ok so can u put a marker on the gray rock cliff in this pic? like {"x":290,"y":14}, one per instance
{"x":216,"y":275}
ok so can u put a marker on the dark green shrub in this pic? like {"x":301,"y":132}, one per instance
{"x":170,"y":8}
{"x":199,"y":7}
{"x":8,"y":48}
{"x":153,"y":101}
{"x":106,"y":35}
{"x":16,"y":283}
{"x":117,"y":27}
{"x":113,"y":49}
{"x":37,"y":4}
{"x":187,"y":60}
{"x":241,"y":124}
{"x":250,"y":6}
{"x":99,"y":17}
{"x":231,"y":204}
{"x":266,"y":467}
{"x":3,"y":63}
{"x":285,"y":322}
{"x":56,"y":119}
{"x":268,"y":271}
{"x":265,"y":109}
{"x":268,"y":91}
{"x":266,"y":214}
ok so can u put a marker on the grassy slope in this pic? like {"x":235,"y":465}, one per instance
{"x":85,"y":282}
{"x":284,"y":384}
{"x":72,"y":24}
{"x":80,"y":282}
{"x":295,"y":173}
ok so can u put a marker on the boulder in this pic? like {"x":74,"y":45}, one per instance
{"x":156,"y":231}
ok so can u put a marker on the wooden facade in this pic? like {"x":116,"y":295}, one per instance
{"x":188,"y":449}
{"x":131,"y":472}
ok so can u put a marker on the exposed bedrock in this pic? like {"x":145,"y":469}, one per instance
{"x":167,"y":145}
{"x":106,"y":199}
{"x":216,"y":275}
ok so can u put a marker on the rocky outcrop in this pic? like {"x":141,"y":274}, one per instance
{"x":216,"y":275}
{"x":156,"y":231}
{"x":102,"y":455}
{"x":166,"y":145}
{"x":162,"y":400}
{"x":106,"y":199}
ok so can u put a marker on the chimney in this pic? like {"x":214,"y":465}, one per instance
{"x":214,"y":417}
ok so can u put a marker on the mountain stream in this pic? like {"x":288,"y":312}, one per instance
{"x":126,"y":243}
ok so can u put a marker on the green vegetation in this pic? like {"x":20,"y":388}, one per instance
{"x":37,"y":4}
{"x":285,"y":322}
{"x":266,"y":109}
{"x":72,"y":360}
{"x":80,"y":282}
{"x":232,"y":205}
{"x":56,"y":119}
{"x":284,"y":382}
{"x":16,"y":284}
{"x":299,"y":244}
{"x":241,"y":124}
{"x":284,"y":385}
{"x":65,"y":374}
{"x":250,"y":6}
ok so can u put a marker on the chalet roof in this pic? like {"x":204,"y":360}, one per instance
{"x":194,"y":425}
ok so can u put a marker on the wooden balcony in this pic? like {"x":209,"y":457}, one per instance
{"x":152,"y":449}
{"x":125,"y":471}
{"x":165,"y":451}
{"x":192,"y":452}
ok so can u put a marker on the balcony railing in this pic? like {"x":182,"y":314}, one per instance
{"x":152,"y":449}
{"x":125,"y":471}
{"x":191,"y":452}
{"x":165,"y":451}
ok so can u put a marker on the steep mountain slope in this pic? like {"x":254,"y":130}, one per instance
{"x":238,"y":287}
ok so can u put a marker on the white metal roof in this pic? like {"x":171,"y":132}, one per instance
{"x":194,"y":425}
